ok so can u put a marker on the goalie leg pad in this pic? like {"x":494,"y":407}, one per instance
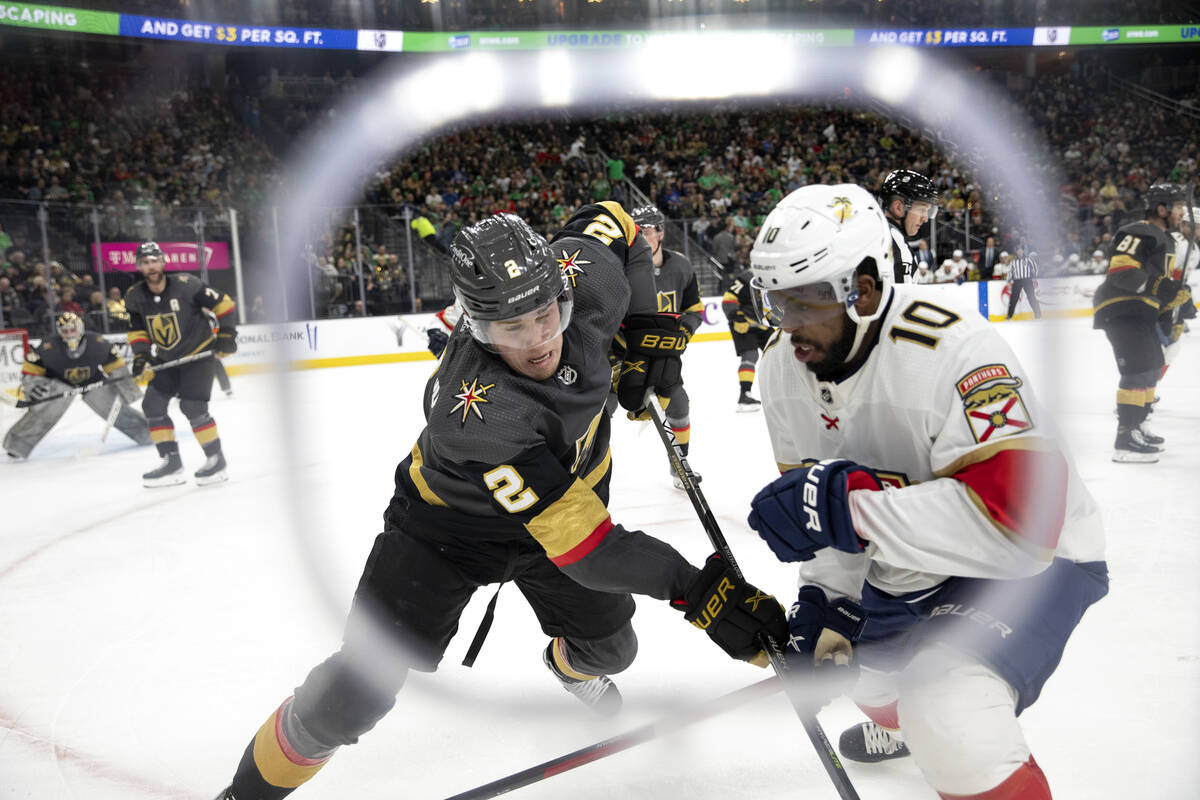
{"x":31,"y":428}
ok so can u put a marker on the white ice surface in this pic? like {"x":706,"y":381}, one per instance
{"x":146,"y":634}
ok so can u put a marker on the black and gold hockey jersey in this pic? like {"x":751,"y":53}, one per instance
{"x":677,"y":290}
{"x":175,"y":321}
{"x":92,"y":361}
{"x":1138,"y":283}
{"x":504,"y":457}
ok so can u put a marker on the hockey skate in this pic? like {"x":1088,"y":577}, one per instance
{"x":599,"y":693}
{"x":213,"y":470}
{"x":1149,"y":437}
{"x":168,"y":473}
{"x":747,"y":403}
{"x":1132,"y":448}
{"x":869,"y":743}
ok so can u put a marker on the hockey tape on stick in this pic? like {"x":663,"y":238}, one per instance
{"x":623,"y":741}
{"x":804,"y":708}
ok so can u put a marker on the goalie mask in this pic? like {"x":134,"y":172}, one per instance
{"x":70,"y":328}
{"x":806,"y":258}
{"x":509,"y":284}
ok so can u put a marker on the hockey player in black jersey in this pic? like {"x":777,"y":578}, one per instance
{"x":68,"y":364}
{"x":749,"y":334}
{"x":1137,"y":289}
{"x":678,"y":293}
{"x":509,"y":481}
{"x":909,"y":200}
{"x":171,"y":313}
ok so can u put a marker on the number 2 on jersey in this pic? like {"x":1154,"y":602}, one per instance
{"x":508,"y":488}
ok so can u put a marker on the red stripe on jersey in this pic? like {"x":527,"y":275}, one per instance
{"x":1005,"y":485}
{"x":590,"y":542}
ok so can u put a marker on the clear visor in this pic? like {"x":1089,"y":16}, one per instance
{"x":801,"y":305}
{"x":528,"y":331}
{"x":924,"y":208}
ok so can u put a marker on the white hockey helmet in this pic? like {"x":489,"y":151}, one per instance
{"x":807,"y":253}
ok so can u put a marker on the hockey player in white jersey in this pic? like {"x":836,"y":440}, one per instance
{"x":947,"y":543}
{"x":1172,"y":324}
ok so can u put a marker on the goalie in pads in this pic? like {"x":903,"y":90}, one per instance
{"x":945,"y":539}
{"x":57,"y":369}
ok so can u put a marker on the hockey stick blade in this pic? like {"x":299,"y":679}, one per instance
{"x":805,"y":709}
{"x":620,"y":742}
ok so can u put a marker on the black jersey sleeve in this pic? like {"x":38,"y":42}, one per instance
{"x":219,"y":303}
{"x":610,"y":224}
{"x":692,"y":307}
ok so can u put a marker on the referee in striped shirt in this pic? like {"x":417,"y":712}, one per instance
{"x":1021,"y":273}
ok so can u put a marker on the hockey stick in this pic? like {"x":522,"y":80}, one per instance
{"x":804,"y":708}
{"x":78,"y":390}
{"x":111,"y":418}
{"x":620,"y":742}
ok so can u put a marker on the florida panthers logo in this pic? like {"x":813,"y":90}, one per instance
{"x":993,"y":405}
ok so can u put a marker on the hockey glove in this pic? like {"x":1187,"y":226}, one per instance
{"x":808,"y":508}
{"x":437,"y":341}
{"x":1181,"y":297}
{"x":821,"y":634}
{"x":653,"y":346}
{"x":141,"y":363}
{"x":226,"y":343}
{"x":732,"y":612}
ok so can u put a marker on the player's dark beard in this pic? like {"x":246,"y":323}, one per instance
{"x":832,"y":367}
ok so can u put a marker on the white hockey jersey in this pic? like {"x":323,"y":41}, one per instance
{"x":978,"y":485}
{"x":1185,"y":258}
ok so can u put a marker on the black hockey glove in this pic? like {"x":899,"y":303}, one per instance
{"x":226,"y":343}
{"x":437,"y":341}
{"x":732,"y":612}
{"x":653,"y":346}
{"x":141,"y":362}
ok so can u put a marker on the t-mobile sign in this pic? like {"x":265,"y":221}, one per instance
{"x":179,"y":256}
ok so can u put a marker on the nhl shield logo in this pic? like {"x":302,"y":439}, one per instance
{"x":826,"y":395}
{"x":992,"y":404}
{"x":77,"y":375}
{"x":164,"y":329}
{"x":380,"y":39}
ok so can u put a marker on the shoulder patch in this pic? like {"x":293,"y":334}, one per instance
{"x":992,"y":403}
{"x":470,"y":399}
{"x":572,"y":265}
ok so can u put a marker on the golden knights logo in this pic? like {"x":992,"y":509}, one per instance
{"x":77,"y":375}
{"x":666,"y":301}
{"x":470,"y":398}
{"x":842,"y":208}
{"x":572,"y":265}
{"x":992,"y":404}
{"x":164,"y":329}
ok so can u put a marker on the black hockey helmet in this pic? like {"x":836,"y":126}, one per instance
{"x":70,"y":327}
{"x":1163,"y":194}
{"x":501,"y":270}
{"x":148,"y":250}
{"x":911,"y":187}
{"x":648,"y":215}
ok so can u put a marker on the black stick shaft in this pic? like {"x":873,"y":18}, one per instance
{"x":804,"y":710}
{"x":616,"y":744}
